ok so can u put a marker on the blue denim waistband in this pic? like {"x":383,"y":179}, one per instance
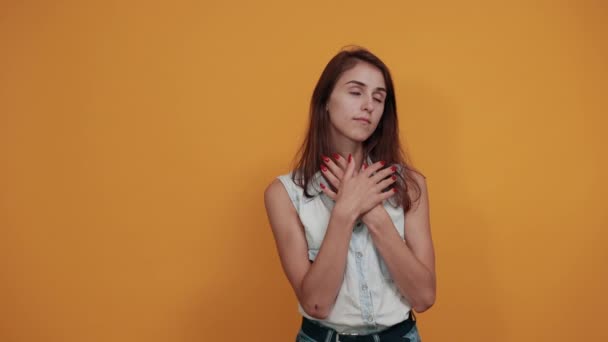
{"x":321,"y":333}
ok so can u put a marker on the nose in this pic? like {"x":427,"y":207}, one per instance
{"x":368,"y":104}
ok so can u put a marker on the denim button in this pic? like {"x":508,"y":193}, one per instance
{"x":359,"y":254}
{"x":364,"y":287}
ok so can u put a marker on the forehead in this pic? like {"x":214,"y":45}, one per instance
{"x":363,"y":72}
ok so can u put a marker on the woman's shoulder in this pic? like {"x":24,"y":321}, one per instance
{"x":416,"y":175}
{"x":282,"y":187}
{"x":293,"y":183}
{"x":291,"y":178}
{"x":287,"y":179}
{"x":281,"y":182}
{"x":417,"y":187}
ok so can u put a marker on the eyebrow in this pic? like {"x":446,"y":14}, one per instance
{"x":365,"y":85}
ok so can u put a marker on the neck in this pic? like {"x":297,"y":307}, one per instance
{"x":344,"y":147}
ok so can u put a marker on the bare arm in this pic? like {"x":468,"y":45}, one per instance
{"x":411,"y":264}
{"x":316,"y":285}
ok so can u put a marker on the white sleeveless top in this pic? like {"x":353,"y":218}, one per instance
{"x":368,"y":300}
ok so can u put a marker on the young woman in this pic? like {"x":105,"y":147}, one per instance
{"x":351,"y":221}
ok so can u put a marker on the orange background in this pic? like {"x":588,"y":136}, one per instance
{"x":136,"y":140}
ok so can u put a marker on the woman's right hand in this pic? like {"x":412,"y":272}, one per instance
{"x":361,"y":191}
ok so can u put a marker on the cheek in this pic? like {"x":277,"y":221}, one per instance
{"x":378,"y":115}
{"x":341,"y":112}
{"x":345,"y":103}
{"x":338,"y":118}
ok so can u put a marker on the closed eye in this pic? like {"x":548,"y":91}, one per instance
{"x":357,"y":93}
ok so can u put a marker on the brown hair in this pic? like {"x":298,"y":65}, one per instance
{"x":383,"y":144}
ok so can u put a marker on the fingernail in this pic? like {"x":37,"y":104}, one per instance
{"x":323,"y":168}
{"x":336,"y":156}
{"x":364,"y":166}
{"x":322,"y":185}
{"x":393,"y":168}
{"x":382,"y":162}
{"x":394,"y":177}
{"x":350,"y":157}
{"x":394,"y":190}
{"x":325,"y":159}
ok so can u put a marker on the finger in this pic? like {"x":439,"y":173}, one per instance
{"x":350,"y":167}
{"x":333,"y":180}
{"x":387,"y":194}
{"x":363,"y":166}
{"x":371,"y":169}
{"x":385,"y":183}
{"x":380,"y":175}
{"x":327,"y":191}
{"x":335,"y":168}
{"x":341,"y":162}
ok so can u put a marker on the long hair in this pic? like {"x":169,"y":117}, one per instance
{"x":383,"y":144}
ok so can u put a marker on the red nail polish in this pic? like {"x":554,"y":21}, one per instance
{"x":325,"y":159}
{"x":350,"y":157}
{"x":394,"y":177}
{"x":394,"y":190}
{"x":322,"y":185}
{"x":323,"y":168}
{"x":336,"y":156}
{"x":382,"y":162}
{"x":364,"y":166}
{"x":393,"y":168}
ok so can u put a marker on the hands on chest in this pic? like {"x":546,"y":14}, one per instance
{"x":359,"y":192}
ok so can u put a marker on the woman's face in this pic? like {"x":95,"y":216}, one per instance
{"x":356,"y":103}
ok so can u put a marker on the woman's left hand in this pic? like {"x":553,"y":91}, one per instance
{"x":334,"y":171}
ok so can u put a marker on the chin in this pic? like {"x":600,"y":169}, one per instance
{"x":360,"y":137}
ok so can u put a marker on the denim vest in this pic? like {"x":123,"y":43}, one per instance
{"x":368,"y":300}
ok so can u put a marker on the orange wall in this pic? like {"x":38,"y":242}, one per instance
{"x":136,"y":141}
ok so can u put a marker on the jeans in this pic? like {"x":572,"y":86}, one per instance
{"x":397,"y":333}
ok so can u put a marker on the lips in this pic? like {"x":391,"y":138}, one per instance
{"x":363,"y":120}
